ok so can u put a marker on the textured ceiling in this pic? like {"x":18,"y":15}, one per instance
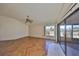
{"x":40,"y":13}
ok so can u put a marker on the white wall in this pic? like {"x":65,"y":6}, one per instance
{"x":37,"y":30}
{"x":12,"y":29}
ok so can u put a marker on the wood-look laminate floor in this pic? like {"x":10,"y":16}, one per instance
{"x":23,"y":47}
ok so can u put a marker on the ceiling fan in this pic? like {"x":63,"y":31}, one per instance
{"x":28,"y":20}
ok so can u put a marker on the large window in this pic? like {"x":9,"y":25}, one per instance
{"x":49,"y":31}
{"x":62,"y":28}
{"x":62,"y":35}
{"x":76,"y":31}
{"x":69,"y":34}
{"x":68,"y":31}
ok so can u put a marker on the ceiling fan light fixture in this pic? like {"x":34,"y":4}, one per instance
{"x":28,"y":20}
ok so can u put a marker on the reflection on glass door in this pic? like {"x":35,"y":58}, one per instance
{"x":69,"y":34}
{"x":76,"y":31}
{"x":72,"y":39}
{"x":62,"y":35}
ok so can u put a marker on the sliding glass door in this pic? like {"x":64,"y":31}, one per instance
{"x":72,"y":39}
{"x":68,"y":34}
{"x":62,"y":36}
